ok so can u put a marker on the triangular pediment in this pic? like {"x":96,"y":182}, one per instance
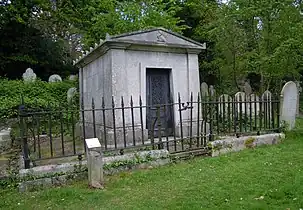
{"x":158,"y":36}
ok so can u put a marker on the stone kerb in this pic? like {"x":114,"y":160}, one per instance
{"x":233,"y":144}
{"x":289,"y":98}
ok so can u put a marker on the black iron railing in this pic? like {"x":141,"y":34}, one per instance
{"x":188,"y":125}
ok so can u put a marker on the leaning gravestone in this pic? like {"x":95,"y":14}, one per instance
{"x":204,"y":91}
{"x":289,"y":95}
{"x":240,"y":99}
{"x":55,"y":78}
{"x":71,"y":94}
{"x":212,"y":91}
{"x":247,"y":89}
{"x":29,"y":75}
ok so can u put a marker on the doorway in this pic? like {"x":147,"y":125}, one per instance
{"x":158,"y":93}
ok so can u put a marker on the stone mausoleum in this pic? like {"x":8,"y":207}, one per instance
{"x":156,"y":64}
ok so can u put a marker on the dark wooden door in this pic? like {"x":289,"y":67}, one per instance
{"x":158,"y":95}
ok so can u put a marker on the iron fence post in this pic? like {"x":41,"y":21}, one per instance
{"x":25,"y":149}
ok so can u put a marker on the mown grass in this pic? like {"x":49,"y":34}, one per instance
{"x":264,"y":178}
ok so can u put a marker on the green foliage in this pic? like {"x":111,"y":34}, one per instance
{"x":244,"y":37}
{"x":115,"y":17}
{"x":25,"y":42}
{"x":36,"y":95}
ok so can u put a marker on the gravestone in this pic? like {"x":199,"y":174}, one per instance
{"x":55,"y":78}
{"x":204,"y":91}
{"x":71,"y":93}
{"x":247,"y":89}
{"x":72,"y":77}
{"x":29,"y":76}
{"x":225,"y":105}
{"x":240,"y":99}
{"x":266,"y":108}
{"x":212,"y":91}
{"x":254,"y":105}
{"x":289,"y":95}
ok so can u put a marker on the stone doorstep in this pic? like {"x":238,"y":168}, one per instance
{"x":69,"y":167}
{"x":233,"y":144}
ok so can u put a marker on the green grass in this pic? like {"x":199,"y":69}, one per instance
{"x":264,"y":178}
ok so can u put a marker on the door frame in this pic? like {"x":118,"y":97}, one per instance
{"x":170,"y":98}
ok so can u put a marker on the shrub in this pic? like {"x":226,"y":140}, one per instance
{"x":39,"y":94}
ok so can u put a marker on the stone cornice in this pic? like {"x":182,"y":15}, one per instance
{"x":103,"y":47}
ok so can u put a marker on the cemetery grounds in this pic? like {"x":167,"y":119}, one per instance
{"x":268,"y":177}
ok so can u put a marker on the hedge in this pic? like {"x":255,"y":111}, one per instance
{"x":37,"y":94}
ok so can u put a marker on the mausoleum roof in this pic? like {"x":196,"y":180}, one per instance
{"x":155,"y":37}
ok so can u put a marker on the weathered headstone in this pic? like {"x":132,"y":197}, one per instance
{"x":247,"y":89}
{"x":212,"y":91}
{"x":29,"y":75}
{"x":72,"y":77}
{"x":266,"y":99}
{"x":204,"y":91}
{"x":254,"y":105}
{"x":94,"y":163}
{"x":289,"y":95}
{"x":240,"y":99}
{"x":55,"y":78}
{"x":71,"y":94}
{"x":225,"y":104}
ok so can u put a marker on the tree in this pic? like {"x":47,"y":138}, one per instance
{"x":115,"y":17}
{"x":199,"y":17}
{"x":48,"y":35}
{"x":24,"y":45}
{"x":259,"y":37}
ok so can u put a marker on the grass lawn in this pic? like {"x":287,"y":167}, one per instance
{"x":265,"y":178}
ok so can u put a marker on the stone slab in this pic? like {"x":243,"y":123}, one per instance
{"x":233,"y":144}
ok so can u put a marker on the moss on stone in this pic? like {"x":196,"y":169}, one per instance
{"x":249,"y":143}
